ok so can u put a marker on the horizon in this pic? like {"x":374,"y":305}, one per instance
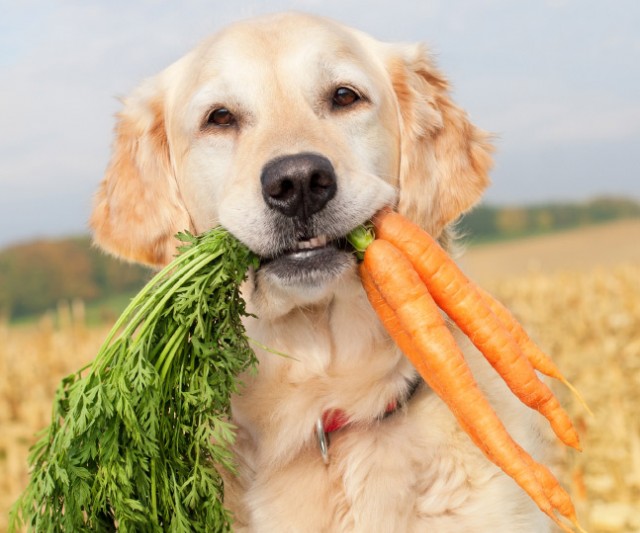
{"x":36,"y":239}
{"x":557,"y":81}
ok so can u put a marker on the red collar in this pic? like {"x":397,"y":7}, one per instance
{"x":333,"y":420}
{"x":336,"y":419}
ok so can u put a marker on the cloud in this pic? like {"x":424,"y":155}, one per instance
{"x":591,"y":119}
{"x":559,"y":172}
{"x":534,"y":111}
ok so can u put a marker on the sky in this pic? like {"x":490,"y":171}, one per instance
{"x":557,"y":82}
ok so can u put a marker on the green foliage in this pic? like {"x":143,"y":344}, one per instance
{"x":34,"y":277}
{"x":136,"y":439}
{"x":487,"y":223}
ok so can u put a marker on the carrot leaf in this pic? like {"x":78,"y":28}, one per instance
{"x":136,"y":440}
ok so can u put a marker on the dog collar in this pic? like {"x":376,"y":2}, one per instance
{"x":334,"y":420}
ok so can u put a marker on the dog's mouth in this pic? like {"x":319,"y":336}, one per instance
{"x":308,"y":247}
{"x":312,"y":260}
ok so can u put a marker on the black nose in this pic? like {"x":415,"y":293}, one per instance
{"x":298,"y":185}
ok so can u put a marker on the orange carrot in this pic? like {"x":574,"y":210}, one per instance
{"x":540,"y":360}
{"x":390,"y":321}
{"x":403,"y":272}
{"x":414,"y":322}
{"x":461,"y":300}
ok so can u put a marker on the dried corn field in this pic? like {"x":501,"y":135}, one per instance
{"x":590,"y":322}
{"x":589,"y":319}
{"x":33,"y":360}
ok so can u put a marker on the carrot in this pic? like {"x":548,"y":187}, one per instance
{"x":540,"y":360}
{"x":405,"y":274}
{"x":390,"y":321}
{"x":413,"y":320}
{"x":461,"y":300}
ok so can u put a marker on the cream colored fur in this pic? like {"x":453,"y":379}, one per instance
{"x":406,"y":145}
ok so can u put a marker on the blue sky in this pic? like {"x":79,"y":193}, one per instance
{"x":558,"y":81}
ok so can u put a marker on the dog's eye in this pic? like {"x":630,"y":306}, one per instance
{"x":221,"y":117}
{"x":344,"y":97}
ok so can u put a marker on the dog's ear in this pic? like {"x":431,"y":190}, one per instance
{"x":444,"y":158}
{"x":138,"y":208}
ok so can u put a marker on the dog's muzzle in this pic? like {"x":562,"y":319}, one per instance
{"x":298,"y":188}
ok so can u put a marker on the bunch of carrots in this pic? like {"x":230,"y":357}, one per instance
{"x":408,"y":277}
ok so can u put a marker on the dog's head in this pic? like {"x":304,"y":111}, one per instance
{"x":290,"y":131}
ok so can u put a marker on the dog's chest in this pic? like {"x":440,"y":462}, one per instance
{"x":412,"y":471}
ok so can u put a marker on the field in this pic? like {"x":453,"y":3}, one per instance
{"x":578,"y":292}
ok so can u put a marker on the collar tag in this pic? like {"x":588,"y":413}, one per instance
{"x":323,"y":441}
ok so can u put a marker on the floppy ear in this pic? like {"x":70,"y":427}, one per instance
{"x":138,"y":208}
{"x":444,"y":158}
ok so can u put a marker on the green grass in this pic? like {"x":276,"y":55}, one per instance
{"x":108,"y":309}
{"x":102,"y":311}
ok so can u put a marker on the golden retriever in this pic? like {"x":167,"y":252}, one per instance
{"x":290,"y":130}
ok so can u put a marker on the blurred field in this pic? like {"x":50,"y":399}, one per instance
{"x":33,"y":360}
{"x":578,"y":293}
{"x":605,"y":245}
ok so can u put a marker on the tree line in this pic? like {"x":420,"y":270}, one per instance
{"x":35,"y":276}
{"x":487,"y":222}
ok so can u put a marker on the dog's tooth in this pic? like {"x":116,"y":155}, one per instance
{"x":313,"y":242}
{"x":319,"y":241}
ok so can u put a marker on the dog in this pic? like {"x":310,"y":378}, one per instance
{"x":290,"y":130}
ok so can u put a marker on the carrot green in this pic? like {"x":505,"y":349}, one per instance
{"x":360,"y":238}
{"x":137,"y":437}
